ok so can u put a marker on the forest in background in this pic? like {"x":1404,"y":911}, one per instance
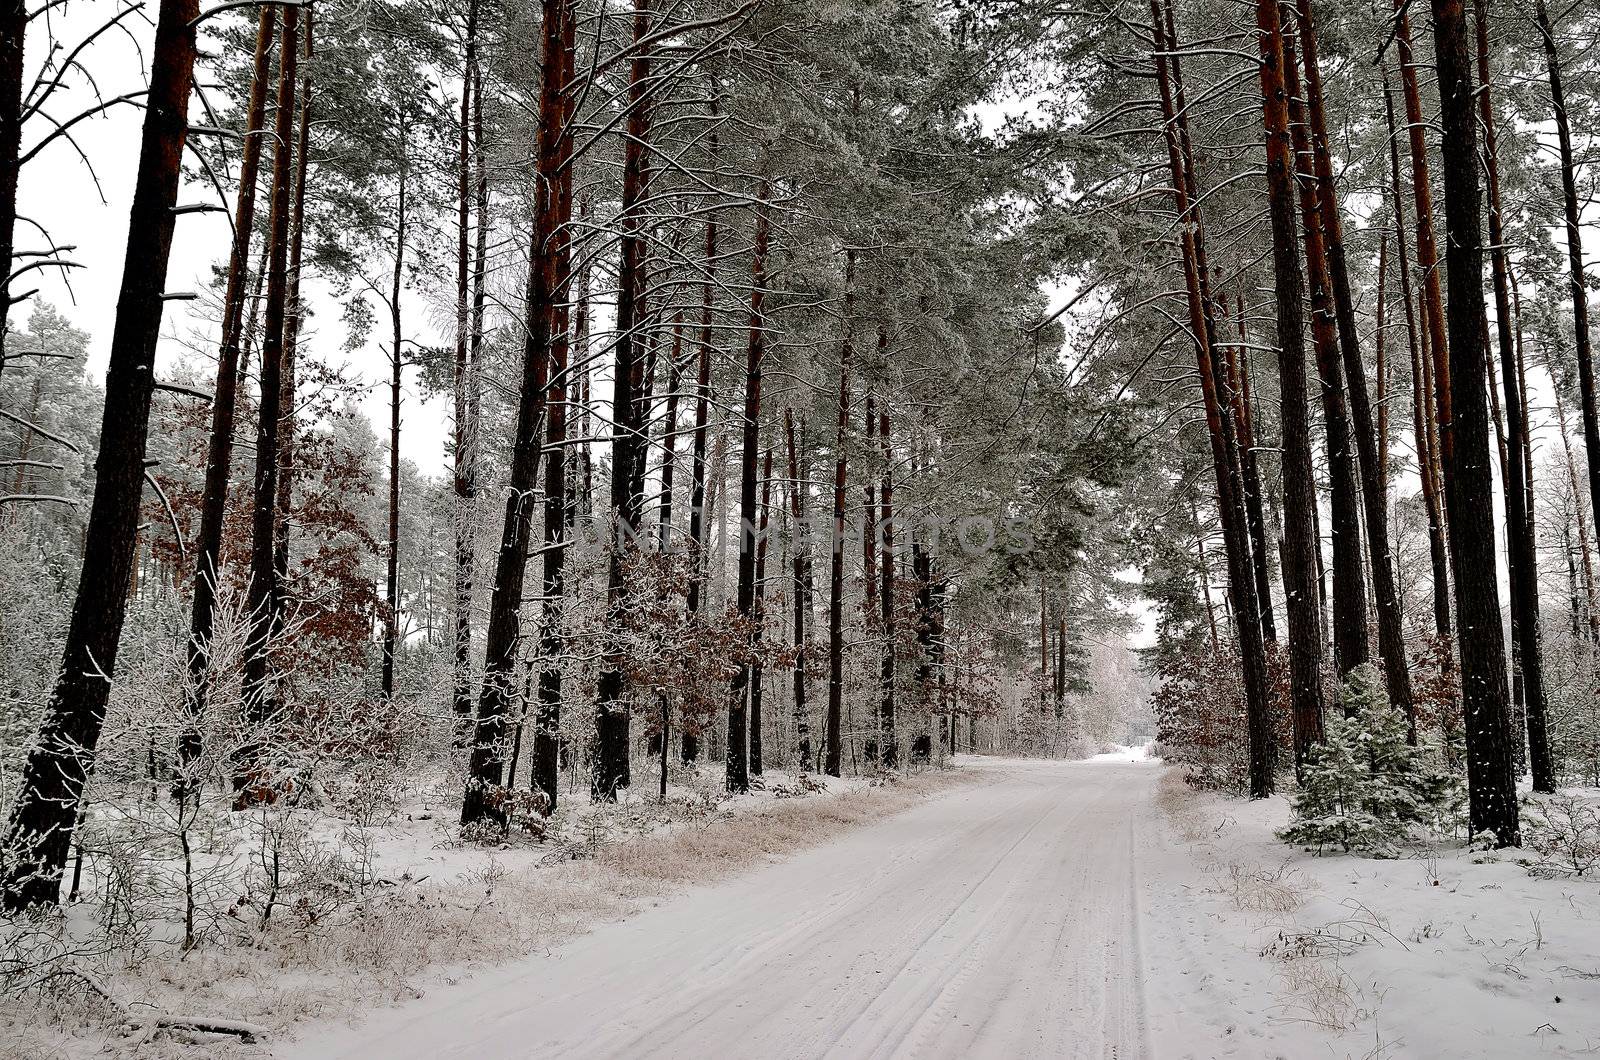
{"x":833,"y":386}
{"x":760,"y":454}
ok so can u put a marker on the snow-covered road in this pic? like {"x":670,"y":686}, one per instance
{"x":998,"y":921}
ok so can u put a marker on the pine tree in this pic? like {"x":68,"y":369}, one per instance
{"x":1367,"y":787}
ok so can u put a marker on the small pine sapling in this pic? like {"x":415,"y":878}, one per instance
{"x":1366,"y":786}
{"x":1331,"y":807}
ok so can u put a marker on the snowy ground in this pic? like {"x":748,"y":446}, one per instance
{"x":436,"y":911}
{"x":1044,"y":909}
{"x":998,"y":921}
{"x":1275,"y":952}
{"x":1089,"y":909}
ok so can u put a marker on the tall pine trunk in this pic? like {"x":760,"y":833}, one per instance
{"x":1204,"y":569}
{"x":1579,"y":513}
{"x":503,"y":633}
{"x":391,"y":611}
{"x":293,"y":319}
{"x":1427,"y":244}
{"x":1416,"y":340}
{"x":262,"y":598}
{"x":1300,"y":545}
{"x":759,"y":616}
{"x":224,"y":401}
{"x":886,"y":703}
{"x":1380,"y":367}
{"x":1391,"y":637}
{"x":1527,"y":632}
{"x":13,"y":32}
{"x":833,"y":728}
{"x":557,"y":519}
{"x":1249,"y":466}
{"x":1224,"y":442}
{"x":669,"y":437}
{"x":800,"y":488}
{"x":869,"y":517}
{"x":627,"y":450}
{"x":464,"y":440}
{"x":739,"y":692}
{"x":44,"y":814}
{"x":1577,"y":280}
{"x":697,"y":461}
{"x":1350,"y":648}
{"x":1469,"y":485}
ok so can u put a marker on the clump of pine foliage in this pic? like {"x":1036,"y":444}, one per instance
{"x":1368,"y":788}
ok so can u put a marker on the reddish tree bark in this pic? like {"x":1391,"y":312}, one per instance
{"x":1300,"y":544}
{"x":1427,"y":245}
{"x":1417,"y":339}
{"x":224,"y":400}
{"x":1255,"y":517}
{"x":294,"y":313}
{"x":1391,"y":636}
{"x":503,"y":632}
{"x":1204,"y":565}
{"x":262,"y":599}
{"x":1350,"y":647}
{"x":1224,"y":442}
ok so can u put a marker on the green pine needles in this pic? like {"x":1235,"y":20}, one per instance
{"x":1366,"y":788}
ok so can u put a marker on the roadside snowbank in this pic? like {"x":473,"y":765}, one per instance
{"x":1452,"y":953}
{"x":440,"y":910}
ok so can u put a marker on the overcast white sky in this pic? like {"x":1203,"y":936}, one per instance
{"x":57,"y":191}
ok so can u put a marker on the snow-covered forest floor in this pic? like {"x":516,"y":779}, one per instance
{"x":1448,"y":952}
{"x":1044,"y":909}
{"x":435,"y":910}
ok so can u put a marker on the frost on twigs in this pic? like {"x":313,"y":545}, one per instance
{"x":1562,"y":832}
{"x":515,"y":812}
{"x":1366,"y":788}
{"x":804,"y":784}
{"x":1200,"y":715}
{"x":41,"y":958}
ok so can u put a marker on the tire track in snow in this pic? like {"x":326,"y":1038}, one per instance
{"x":1001,"y":920}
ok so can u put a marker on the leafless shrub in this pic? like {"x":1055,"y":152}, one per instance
{"x":1563,"y":834}
{"x":39,"y":955}
{"x":1275,"y":890}
{"x":804,"y":784}
{"x":1317,"y":991}
{"x":1337,"y":938}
